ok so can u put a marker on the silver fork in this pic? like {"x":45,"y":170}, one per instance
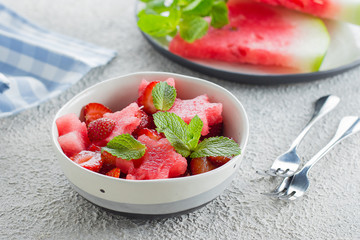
{"x":295,"y":186}
{"x":286,"y":164}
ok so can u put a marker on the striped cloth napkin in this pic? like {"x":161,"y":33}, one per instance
{"x":36,"y":64}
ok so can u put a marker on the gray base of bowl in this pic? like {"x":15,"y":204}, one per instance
{"x":158,"y":209}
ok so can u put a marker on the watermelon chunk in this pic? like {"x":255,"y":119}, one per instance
{"x":72,"y":143}
{"x":343,"y":10}
{"x":264,"y":35}
{"x":69,"y":123}
{"x":73,"y":136}
{"x":126,"y":121}
{"x":144,"y":83}
{"x":209,"y":113}
{"x":160,"y":161}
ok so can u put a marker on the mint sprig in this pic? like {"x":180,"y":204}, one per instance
{"x":126,"y":147}
{"x":163,"y":96}
{"x":185,"y":138}
{"x":160,"y":19}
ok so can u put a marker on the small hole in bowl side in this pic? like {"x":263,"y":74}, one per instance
{"x":234,"y":165}
{"x":102,"y":190}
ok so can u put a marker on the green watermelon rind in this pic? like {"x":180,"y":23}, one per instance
{"x":319,"y":60}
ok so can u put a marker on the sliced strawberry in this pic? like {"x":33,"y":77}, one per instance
{"x":115,"y":172}
{"x":218,"y":161}
{"x":94,"y":148}
{"x":100,"y":129}
{"x":93,"y":111}
{"x":146,"y":98}
{"x":108,"y":158}
{"x":89,"y":160}
{"x":151,"y":133}
{"x":201,"y":165}
{"x":147,"y":121}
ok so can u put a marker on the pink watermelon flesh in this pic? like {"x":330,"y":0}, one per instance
{"x":127,"y":166}
{"x":72,"y":143}
{"x":160,"y":161}
{"x":260,"y":34}
{"x":209,"y":113}
{"x":144,"y":83}
{"x":126,"y":120}
{"x":69,"y":123}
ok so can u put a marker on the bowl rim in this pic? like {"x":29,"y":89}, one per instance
{"x":245,"y":134}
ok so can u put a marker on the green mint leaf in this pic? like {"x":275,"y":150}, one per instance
{"x":219,"y":14}
{"x":216,"y":146}
{"x":126,"y":147}
{"x":175,"y":130}
{"x":163,"y":96}
{"x":198,"y":7}
{"x":192,"y":28}
{"x":194,"y":132}
{"x":158,"y":25}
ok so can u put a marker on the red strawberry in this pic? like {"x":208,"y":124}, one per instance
{"x":94,"y":148}
{"x":108,"y":158}
{"x":153,"y":134}
{"x":218,"y":161}
{"x":201,"y":165}
{"x":89,"y":160}
{"x":93,"y":111}
{"x":100,"y":129}
{"x":146,"y":98}
{"x":115,"y":172}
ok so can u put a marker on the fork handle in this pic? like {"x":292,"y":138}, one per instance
{"x":347,"y":126}
{"x":322,"y":106}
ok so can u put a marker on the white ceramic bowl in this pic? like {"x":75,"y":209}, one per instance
{"x":153,"y":197}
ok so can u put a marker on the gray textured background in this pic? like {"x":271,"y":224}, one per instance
{"x":37,"y":202}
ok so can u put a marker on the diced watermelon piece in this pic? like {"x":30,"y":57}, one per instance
{"x":127,"y":166}
{"x":264,"y":35}
{"x":160,"y":161}
{"x":69,"y":123}
{"x":126,"y":120}
{"x":209,"y":113}
{"x":144,"y":83}
{"x":344,"y":10}
{"x":72,"y":143}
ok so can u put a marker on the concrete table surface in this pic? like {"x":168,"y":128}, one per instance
{"x":37,"y":201}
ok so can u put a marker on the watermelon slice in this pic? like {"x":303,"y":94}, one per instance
{"x":209,"y":113}
{"x":160,"y":161}
{"x":264,"y":35}
{"x":343,"y":10}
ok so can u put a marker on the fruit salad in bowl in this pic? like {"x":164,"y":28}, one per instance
{"x":151,"y":143}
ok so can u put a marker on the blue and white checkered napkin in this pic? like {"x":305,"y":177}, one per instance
{"x":37,"y":64}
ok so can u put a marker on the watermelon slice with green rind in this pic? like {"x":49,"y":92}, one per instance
{"x":263,"y":35}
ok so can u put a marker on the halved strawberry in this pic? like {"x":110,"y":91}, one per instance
{"x":93,"y":111}
{"x":153,"y":134}
{"x":146,"y":98}
{"x":100,"y":129}
{"x":108,"y":158}
{"x":94,"y":148}
{"x":115,"y":172}
{"x":219,"y":160}
{"x":89,"y":160}
{"x":201,"y":165}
